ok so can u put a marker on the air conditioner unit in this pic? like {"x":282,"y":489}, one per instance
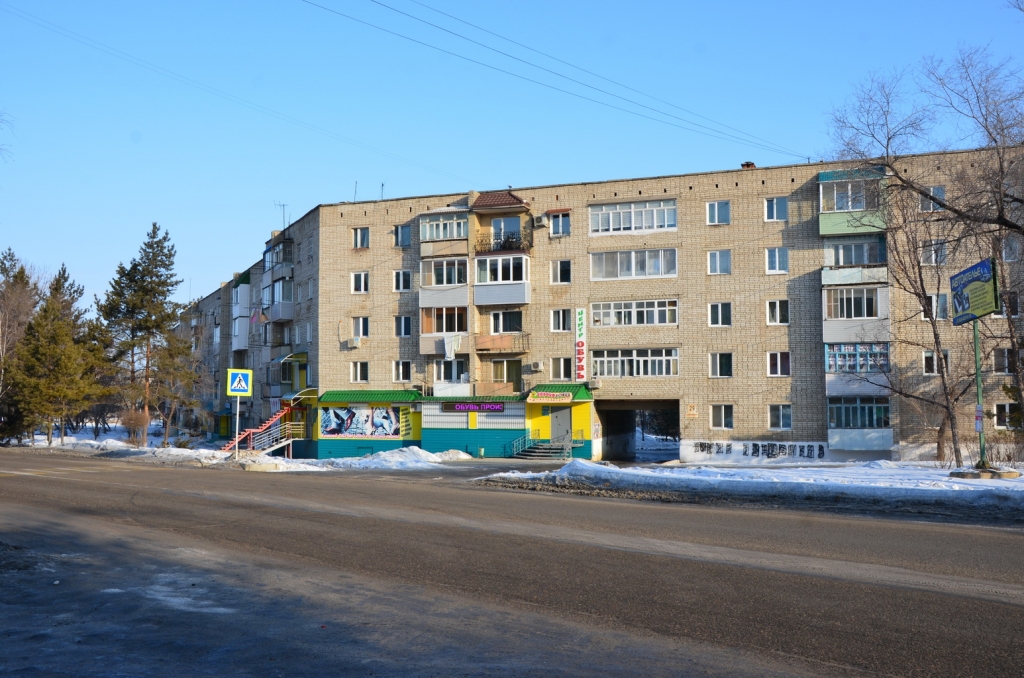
{"x":541,"y":221}
{"x":594,"y":384}
{"x":354,"y":342}
{"x":537,"y":367}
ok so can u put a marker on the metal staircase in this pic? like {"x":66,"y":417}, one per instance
{"x":559,"y":447}
{"x":271,"y":435}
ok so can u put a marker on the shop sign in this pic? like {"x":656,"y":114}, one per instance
{"x":975,"y":292}
{"x":581,"y":345}
{"x":472,"y":407}
{"x":548,"y":397}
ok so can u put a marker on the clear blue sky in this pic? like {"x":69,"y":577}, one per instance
{"x":100,"y":147}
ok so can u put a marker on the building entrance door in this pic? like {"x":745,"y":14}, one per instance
{"x":561,"y":422}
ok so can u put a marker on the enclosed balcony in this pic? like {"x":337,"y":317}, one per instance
{"x":503,"y":343}
{"x":854,"y":275}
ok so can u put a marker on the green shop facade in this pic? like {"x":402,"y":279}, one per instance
{"x":359,"y":422}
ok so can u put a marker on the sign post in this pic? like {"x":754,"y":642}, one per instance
{"x":975,"y":295}
{"x":239,"y":384}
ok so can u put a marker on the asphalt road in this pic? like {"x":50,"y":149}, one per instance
{"x":193,"y":571}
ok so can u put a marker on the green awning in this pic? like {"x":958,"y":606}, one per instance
{"x":404,"y":396}
{"x":852,"y":174}
{"x":474,"y":399}
{"x":242,"y":279}
{"x":579,"y":391}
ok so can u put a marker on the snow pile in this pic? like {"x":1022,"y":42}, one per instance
{"x":113,"y":445}
{"x":882,"y":480}
{"x":403,"y":459}
{"x":655,"y":448}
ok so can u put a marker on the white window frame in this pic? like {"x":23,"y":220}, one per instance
{"x":778,"y":311}
{"x":433,"y":310}
{"x":782,"y":422}
{"x":926,"y":355}
{"x":397,"y":367}
{"x":1005,"y":408}
{"x":934,"y":253}
{"x":427,"y":272}
{"x":446,"y":226}
{"x":561,"y":369}
{"x":498,"y":317}
{"x":869,"y":191}
{"x":715,"y":258}
{"x":626,"y":264}
{"x":403,"y":325}
{"x":778,"y":363}
{"x":635,"y":363}
{"x":628,"y":313}
{"x":361,"y":282}
{"x":731,"y":417}
{"x":713,"y":211}
{"x":361,"y":238}
{"x":1001,"y":354}
{"x":1010,"y":248}
{"x":771,"y":208}
{"x":836,"y":297}
{"x":839,"y":252}
{"x":556,"y":272}
{"x":562,"y":320}
{"x":500,"y":271}
{"x":403,"y":280}
{"x":360,"y":372}
{"x":633,"y":217}
{"x":780,"y":253}
{"x":720,"y":305}
{"x":457,"y":374}
{"x":936,"y":298}
{"x":715,"y":366}
{"x":999,"y":313}
{"x":401,"y":241}
{"x":930,"y":205}
{"x":361,"y":326}
{"x":561,"y":225}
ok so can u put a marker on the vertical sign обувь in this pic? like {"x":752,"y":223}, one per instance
{"x":580,"y":357}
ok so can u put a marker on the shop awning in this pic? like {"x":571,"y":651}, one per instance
{"x":579,"y":392}
{"x":290,"y":358}
{"x":403,"y":396}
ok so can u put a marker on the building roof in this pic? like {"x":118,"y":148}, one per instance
{"x":371,"y":396}
{"x":474,"y":399}
{"x":498,"y":199}
{"x":579,"y":391}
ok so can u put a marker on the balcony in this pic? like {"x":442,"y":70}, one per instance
{"x":494,"y":388}
{"x":240,"y":310}
{"x":433,"y":344}
{"x":503,"y":343}
{"x":282,"y":311}
{"x":444,"y":296}
{"x":502,"y":294}
{"x":518,"y":242}
{"x":444,"y":389}
{"x":280,"y":270}
{"x":444,"y":248}
{"x":863,"y":222}
{"x":240,"y":342}
{"x":855,"y":275}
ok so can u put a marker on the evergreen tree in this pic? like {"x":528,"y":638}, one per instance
{"x":19,"y":296}
{"x":139,"y":316}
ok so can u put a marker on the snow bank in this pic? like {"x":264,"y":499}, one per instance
{"x":875,"y":480}
{"x":403,"y":459}
{"x":113,"y":445}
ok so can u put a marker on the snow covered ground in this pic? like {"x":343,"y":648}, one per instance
{"x":655,"y":448}
{"x":113,"y":445}
{"x":884,"y":480}
{"x":403,"y":459}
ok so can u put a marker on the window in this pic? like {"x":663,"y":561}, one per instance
{"x":1004,"y":361}
{"x":933,"y":253}
{"x":928,"y":205}
{"x":1008,"y":299}
{"x":778,"y":259}
{"x":444,"y":226}
{"x":858,"y":254}
{"x":1008,"y":415}
{"x":280,"y":253}
{"x":450,"y":371}
{"x":283,"y":291}
{"x":561,"y":320}
{"x":849,"y":196}
{"x":286,"y":338}
{"x":216,"y":334}
{"x":361,"y":282}
{"x":776,"y":209}
{"x":361,"y":237}
{"x":1010,"y":249}
{"x":402,"y":370}
{"x":508,"y":371}
{"x":298,"y":292}
{"x":403,"y":235}
{"x":443,"y":272}
{"x":778,"y":312}
{"x":502,"y":269}
{"x":361,"y":326}
{"x":718,"y":213}
{"x":613,"y":313}
{"x":720,"y":314}
{"x":780,"y":417}
{"x":443,"y":320}
{"x":851,"y":302}
{"x":403,"y":281}
{"x":561,"y":369}
{"x":721,"y":365}
{"x":267,"y":296}
{"x":309,"y":331}
{"x":720,"y":262}
{"x":721,"y":416}
{"x":633,"y":216}
{"x":560,"y":223}
{"x":929,"y":365}
{"x":403,"y":326}
{"x":778,"y":364}
{"x":862,"y":412}
{"x":309,"y":289}
{"x":643,"y":362}
{"x":857,"y":357}
{"x":506,"y":321}
{"x":633,"y":264}
{"x":505,"y":228}
{"x":238,"y":327}
{"x":561,"y":272}
{"x":299,"y":335}
{"x":938,"y":307}
{"x":360,"y":372}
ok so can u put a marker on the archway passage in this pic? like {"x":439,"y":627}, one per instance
{"x":621,"y":439}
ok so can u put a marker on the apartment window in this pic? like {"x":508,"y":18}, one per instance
{"x":286,"y":338}
{"x":216,"y":334}
{"x":614,"y":313}
{"x":361,"y":237}
{"x":929,"y":364}
{"x":938,"y":307}
{"x":561,"y":369}
{"x":402,"y":371}
{"x":502,"y":269}
{"x":560,"y":224}
{"x":633,"y":264}
{"x":933,"y":253}
{"x":508,"y":371}
{"x":562,"y":320}
{"x":780,"y":417}
{"x":862,"y":412}
{"x":1008,"y":299}
{"x":443,"y":272}
{"x":1004,"y":360}
{"x":403,"y":326}
{"x":503,"y":322}
{"x":360,"y":372}
{"x":720,"y":262}
{"x":298,"y":335}
{"x":267,"y":296}
{"x":443,"y":320}
{"x":851,"y":302}
{"x":403,"y":281}
{"x":1010,"y":248}
{"x":361,"y":282}
{"x":641,"y":362}
{"x":778,"y":259}
{"x":361,"y":326}
{"x":283,"y":291}
{"x":778,"y":364}
{"x":237,"y":326}
{"x":450,"y":371}
{"x":403,"y":235}
{"x":444,"y":226}
{"x":718,"y":213}
{"x":561,"y":272}
{"x":1008,"y":415}
{"x":849,"y":196}
{"x":298,"y":292}
{"x":721,"y":365}
{"x":776,"y":209}
{"x":633,"y":216}
{"x":857,"y":357}
{"x":720,"y":314}
{"x":721,"y":416}
{"x":309,"y":331}
{"x":928,"y":205}
{"x":778,"y":312}
{"x":857,"y":254}
{"x":505,"y":229}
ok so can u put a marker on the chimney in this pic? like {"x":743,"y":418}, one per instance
{"x":747,"y":165}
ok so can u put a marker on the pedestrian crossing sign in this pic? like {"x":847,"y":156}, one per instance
{"x":240,"y":383}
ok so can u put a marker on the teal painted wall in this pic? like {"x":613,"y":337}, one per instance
{"x":330,"y":449}
{"x":496,"y":442}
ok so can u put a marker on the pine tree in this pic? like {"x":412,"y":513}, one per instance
{"x":19,"y":296}
{"x":139,"y":315}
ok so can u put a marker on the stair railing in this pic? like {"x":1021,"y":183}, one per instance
{"x":565,"y":441}
{"x":524,"y":442}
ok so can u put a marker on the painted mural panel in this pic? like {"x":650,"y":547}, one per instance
{"x":360,"y":421}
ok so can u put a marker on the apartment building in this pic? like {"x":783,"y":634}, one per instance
{"x":754,"y":302}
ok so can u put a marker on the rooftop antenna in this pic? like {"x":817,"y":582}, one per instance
{"x":382,"y":190}
{"x":355,"y":192}
{"x":284,"y":223}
